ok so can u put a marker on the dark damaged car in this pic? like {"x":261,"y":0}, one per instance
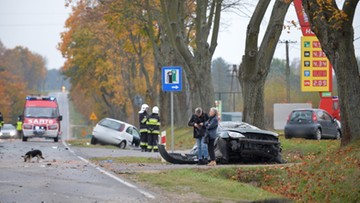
{"x":236,"y":142}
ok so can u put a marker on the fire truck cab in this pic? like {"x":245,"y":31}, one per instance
{"x":41,"y":118}
{"x":331,"y":105}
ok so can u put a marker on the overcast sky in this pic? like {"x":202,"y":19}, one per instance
{"x":37,"y":24}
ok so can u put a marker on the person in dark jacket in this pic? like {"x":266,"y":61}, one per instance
{"x":153,"y":124}
{"x":211,"y":129}
{"x":197,"y":121}
{"x":143,"y":118}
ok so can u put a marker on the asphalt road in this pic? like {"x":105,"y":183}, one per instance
{"x":63,"y":176}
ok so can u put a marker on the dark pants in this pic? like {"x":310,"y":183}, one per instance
{"x":153,"y":140}
{"x":211,"y":149}
{"x":19,"y":133}
{"x":143,"y":140}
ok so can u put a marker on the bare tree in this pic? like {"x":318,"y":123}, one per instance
{"x":256,"y":60}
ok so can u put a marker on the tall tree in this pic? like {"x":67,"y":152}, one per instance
{"x":256,"y":60}
{"x":192,"y":29}
{"x":334,"y":29}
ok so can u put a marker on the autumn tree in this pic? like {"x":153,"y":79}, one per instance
{"x":257,"y":58}
{"x":14,"y":85}
{"x":109,"y":64}
{"x":333,"y":27}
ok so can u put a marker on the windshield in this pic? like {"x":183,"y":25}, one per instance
{"x":237,"y":125}
{"x":301,"y":115}
{"x":40,"y":112}
{"x":8,"y":127}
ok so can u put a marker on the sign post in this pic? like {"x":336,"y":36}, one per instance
{"x":172,"y":82}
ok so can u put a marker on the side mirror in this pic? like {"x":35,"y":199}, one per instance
{"x":60,"y":118}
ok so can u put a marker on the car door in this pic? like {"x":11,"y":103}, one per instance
{"x":129,"y":134}
{"x":332,"y":125}
{"x":323,"y":123}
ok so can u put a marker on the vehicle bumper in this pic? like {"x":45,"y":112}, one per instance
{"x":46,"y":133}
{"x":301,"y":131}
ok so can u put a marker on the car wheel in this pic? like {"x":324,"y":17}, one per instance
{"x":338,"y":135}
{"x":24,"y":139}
{"x":93,"y":140}
{"x":318,"y":134}
{"x":221,"y":151}
{"x":56,"y":139}
{"x":122,"y":144}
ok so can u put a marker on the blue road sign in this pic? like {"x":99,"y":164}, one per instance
{"x":307,"y":73}
{"x":172,"y":78}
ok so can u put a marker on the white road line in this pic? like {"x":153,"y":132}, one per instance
{"x":146,"y":194}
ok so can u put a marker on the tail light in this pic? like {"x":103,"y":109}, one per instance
{"x":27,"y":127}
{"x":52,"y":127}
{"x":314,"y":118}
{"x":288,"y":119}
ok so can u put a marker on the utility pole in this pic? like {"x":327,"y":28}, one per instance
{"x":287,"y":72}
{"x":287,"y":69}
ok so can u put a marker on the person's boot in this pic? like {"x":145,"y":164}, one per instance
{"x":200,"y":162}
{"x":212,"y":163}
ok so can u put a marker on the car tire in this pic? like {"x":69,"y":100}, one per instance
{"x":24,"y":139}
{"x":56,"y":139}
{"x":338,"y":135}
{"x":93,"y":140}
{"x":122,"y":144}
{"x":221,"y":151}
{"x":318,"y":134}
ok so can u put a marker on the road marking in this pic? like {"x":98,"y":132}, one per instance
{"x":146,"y":194}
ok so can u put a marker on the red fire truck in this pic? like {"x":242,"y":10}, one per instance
{"x":41,"y":118}
{"x":331,"y":105}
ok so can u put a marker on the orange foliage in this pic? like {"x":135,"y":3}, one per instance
{"x":107,"y":61}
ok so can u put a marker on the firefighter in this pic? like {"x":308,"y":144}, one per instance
{"x":143,"y":118}
{"x":154,"y":130}
{"x":1,"y":120}
{"x":19,"y":124}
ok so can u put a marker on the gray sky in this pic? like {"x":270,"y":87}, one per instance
{"x":37,"y":24}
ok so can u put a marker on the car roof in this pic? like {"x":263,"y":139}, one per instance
{"x":308,"y":109}
{"x":122,"y":122}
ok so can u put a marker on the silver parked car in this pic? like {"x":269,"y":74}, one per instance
{"x":114,"y":132}
{"x":8,"y":131}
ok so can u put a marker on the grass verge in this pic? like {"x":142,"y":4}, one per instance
{"x":332,"y":177}
{"x":128,"y":160}
{"x":200,"y":181}
{"x":86,"y":143}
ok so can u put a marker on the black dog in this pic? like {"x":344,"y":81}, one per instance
{"x":31,"y":154}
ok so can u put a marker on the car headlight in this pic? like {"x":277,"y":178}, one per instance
{"x":0,"y":133}
{"x":235,"y":135}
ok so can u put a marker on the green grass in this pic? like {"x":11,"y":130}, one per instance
{"x":298,"y":149}
{"x":129,"y":160}
{"x":183,"y":138}
{"x":201,"y":181}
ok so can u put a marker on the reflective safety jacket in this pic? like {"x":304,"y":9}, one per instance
{"x":143,"y":118}
{"x":19,"y":125}
{"x":154,"y":124}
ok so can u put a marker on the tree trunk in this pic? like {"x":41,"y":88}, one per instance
{"x":336,"y":35}
{"x":256,"y":61}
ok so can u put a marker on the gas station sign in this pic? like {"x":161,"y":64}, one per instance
{"x":316,"y":70}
